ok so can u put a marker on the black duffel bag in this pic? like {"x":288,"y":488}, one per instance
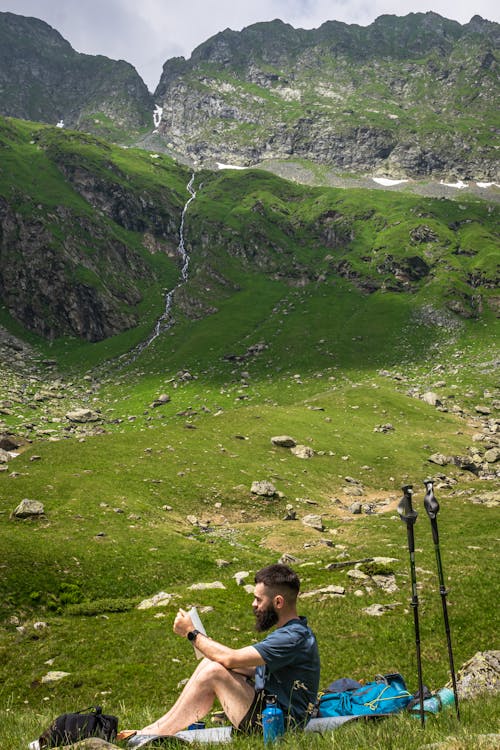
{"x":69,"y":728}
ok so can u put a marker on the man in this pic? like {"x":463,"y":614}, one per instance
{"x":284,"y":664}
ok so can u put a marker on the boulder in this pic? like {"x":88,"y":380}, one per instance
{"x":240,"y":577}
{"x":283,"y":441}
{"x":82,"y":415}
{"x":314,"y":521}
{"x":302,"y":451}
{"x":481,"y":674}
{"x":158,"y":600}
{"x":29,"y":509}
{"x":439,"y":459}
{"x":205,"y":586}
{"x":5,"y":457}
{"x":8,"y":443}
{"x":263,"y":489}
{"x":492,"y":455}
{"x":355,"y":508}
{"x":54,"y":677}
{"x":431,"y":398}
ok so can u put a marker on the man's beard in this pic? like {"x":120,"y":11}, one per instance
{"x":265,"y":619}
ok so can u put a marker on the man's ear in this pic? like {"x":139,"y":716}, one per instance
{"x":279,"y":601}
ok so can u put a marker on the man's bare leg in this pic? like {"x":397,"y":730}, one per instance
{"x":208,"y":681}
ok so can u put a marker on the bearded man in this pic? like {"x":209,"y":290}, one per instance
{"x":284,"y":664}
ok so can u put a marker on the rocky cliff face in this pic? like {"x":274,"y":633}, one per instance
{"x":42,"y":78}
{"x":411,"y":96}
{"x":78,"y":236}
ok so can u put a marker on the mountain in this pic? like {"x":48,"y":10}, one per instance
{"x":42,"y":78}
{"x":89,"y":237}
{"x":412,"y":96}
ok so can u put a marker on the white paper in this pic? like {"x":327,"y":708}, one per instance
{"x":198,"y":625}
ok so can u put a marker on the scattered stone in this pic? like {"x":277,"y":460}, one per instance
{"x":283,"y":441}
{"x":431,"y":398}
{"x":479,"y":674}
{"x":355,"y":508}
{"x":164,"y":398}
{"x":291,"y":514}
{"x":492,"y":455}
{"x":302,"y":451}
{"x":386,"y":582}
{"x":353,"y":491}
{"x":158,"y":600}
{"x":193,"y":520}
{"x":54,"y":677}
{"x":384,"y":428}
{"x":483,"y":409}
{"x":93,"y":743}
{"x":345,"y":564}
{"x":287,"y":559}
{"x":240,"y":577}
{"x":222,"y":563}
{"x":439,"y":459}
{"x":206,"y":586}
{"x":324,"y":592}
{"x":357,"y":575}
{"x":29,"y":509}
{"x":40,"y":625}
{"x":5,"y":456}
{"x":377,"y":610}
{"x":263,"y":489}
{"x":7,"y":443}
{"x":83,"y":415}
{"x":314,"y":521}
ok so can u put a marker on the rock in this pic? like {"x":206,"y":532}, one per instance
{"x":5,"y":457}
{"x":263,"y":489}
{"x":82,"y":415}
{"x":287,"y":559}
{"x":357,"y":575}
{"x":54,"y":677}
{"x":8,"y":443}
{"x":40,"y":625}
{"x":439,"y":459}
{"x":326,"y":591}
{"x":384,"y":428}
{"x":431,"y":398}
{"x":93,"y":743}
{"x":222,"y":563}
{"x":492,"y":455}
{"x":158,"y":600}
{"x":240,"y":577}
{"x":302,"y":451}
{"x":354,"y":491}
{"x":291,"y":514}
{"x":161,"y":400}
{"x":377,"y":610}
{"x":193,"y":520}
{"x":206,"y":586}
{"x":482,"y":409}
{"x":479,"y":674}
{"x":283,"y":441}
{"x":386,"y":582}
{"x":29,"y":509}
{"x":355,"y":508}
{"x":314,"y":521}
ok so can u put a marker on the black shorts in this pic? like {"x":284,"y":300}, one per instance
{"x":252,"y":721}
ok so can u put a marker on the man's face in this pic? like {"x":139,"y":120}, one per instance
{"x":263,"y":608}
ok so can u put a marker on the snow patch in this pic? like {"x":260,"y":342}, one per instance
{"x":158,"y":112}
{"x":386,"y":182}
{"x":487,"y":184}
{"x":228,"y":166}
{"x":60,"y":124}
{"x":458,"y":185}
{"x":155,"y":156}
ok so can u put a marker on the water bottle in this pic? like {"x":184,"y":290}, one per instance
{"x":272,"y":720}
{"x":433,"y":705}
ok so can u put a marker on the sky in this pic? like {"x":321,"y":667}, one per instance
{"x":146,"y":33}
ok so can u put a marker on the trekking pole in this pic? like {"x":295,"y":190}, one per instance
{"x":432,"y":508}
{"x":409,"y":516}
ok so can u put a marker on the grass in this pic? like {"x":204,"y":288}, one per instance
{"x":336,"y":363}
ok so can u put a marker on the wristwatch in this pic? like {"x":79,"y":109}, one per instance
{"x":192,"y":635}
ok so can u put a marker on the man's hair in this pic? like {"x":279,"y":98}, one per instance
{"x":281,"y":579}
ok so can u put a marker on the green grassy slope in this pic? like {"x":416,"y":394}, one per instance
{"x":336,"y":362}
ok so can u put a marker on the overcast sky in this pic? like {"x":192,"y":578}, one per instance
{"x":146,"y":33}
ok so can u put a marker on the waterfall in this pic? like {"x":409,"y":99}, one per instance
{"x":165,"y":322}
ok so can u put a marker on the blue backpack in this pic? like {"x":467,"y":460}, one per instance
{"x":385,"y":695}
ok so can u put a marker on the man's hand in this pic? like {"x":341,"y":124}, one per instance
{"x":183,"y":623}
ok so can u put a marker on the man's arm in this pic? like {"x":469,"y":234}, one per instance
{"x":242,"y":660}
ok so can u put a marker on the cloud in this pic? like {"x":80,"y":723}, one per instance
{"x":148,"y":32}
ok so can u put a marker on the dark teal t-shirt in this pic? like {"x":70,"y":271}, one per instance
{"x":291,"y":669}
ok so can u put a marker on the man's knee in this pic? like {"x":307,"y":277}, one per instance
{"x":215,"y":672}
